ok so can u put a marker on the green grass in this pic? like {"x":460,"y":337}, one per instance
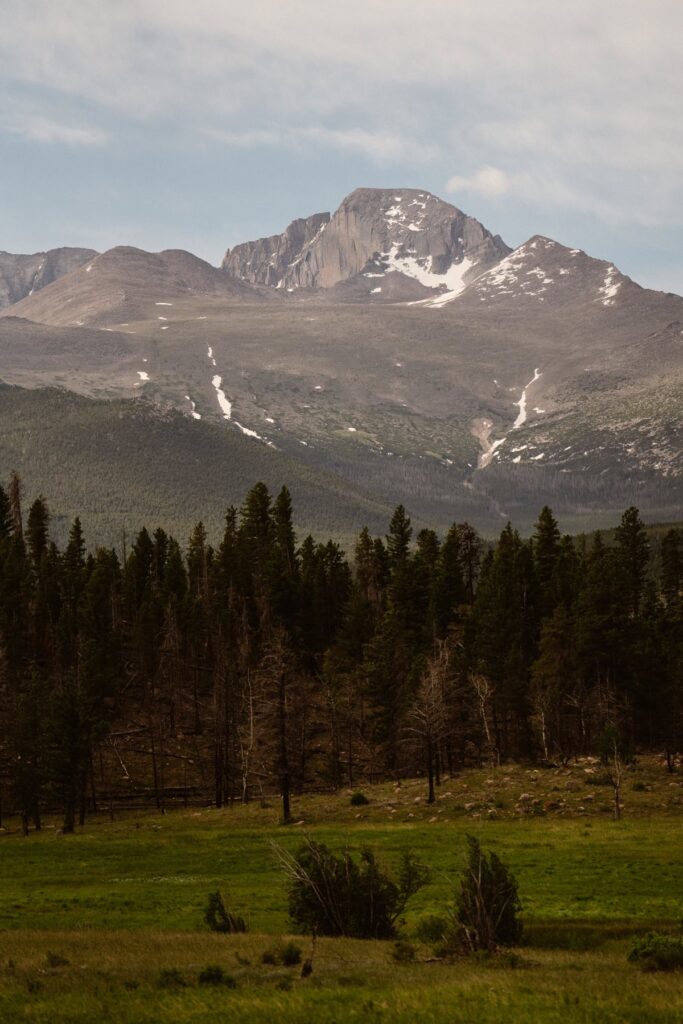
{"x":121,"y":901}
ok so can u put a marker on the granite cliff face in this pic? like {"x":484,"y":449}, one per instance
{"x":21,"y":275}
{"x":431,"y":245}
{"x":267,"y":260}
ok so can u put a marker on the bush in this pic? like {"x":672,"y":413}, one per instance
{"x":599,"y":779}
{"x":215,"y":975}
{"x":487,"y":905}
{"x":432,"y":929}
{"x":219,"y":918}
{"x":170,"y":977}
{"x":287,"y":953}
{"x":290,"y":954}
{"x":403,"y":952}
{"x":657,"y":952}
{"x":56,"y":960}
{"x":335,"y":895}
{"x":359,"y":800}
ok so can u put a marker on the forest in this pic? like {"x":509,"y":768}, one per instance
{"x":166,"y":672}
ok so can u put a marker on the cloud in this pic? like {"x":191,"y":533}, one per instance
{"x":42,"y":129}
{"x":579,"y":101}
{"x":488,"y":181}
{"x":375,"y":145}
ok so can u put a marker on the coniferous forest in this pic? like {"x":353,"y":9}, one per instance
{"x":177,"y":671}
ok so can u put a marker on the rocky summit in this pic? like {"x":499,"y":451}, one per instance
{"x":402,"y":240}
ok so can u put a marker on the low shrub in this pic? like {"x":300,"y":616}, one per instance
{"x":403,"y":952}
{"x":170,"y":977}
{"x":336,"y":895}
{"x":656,"y":952}
{"x":215,"y":975}
{"x":286,"y":953}
{"x":487,"y":905}
{"x":598,"y":779}
{"x":431,"y":929}
{"x":359,"y":800}
{"x":290,"y":954}
{"x":56,"y":960}
{"x":219,"y":918}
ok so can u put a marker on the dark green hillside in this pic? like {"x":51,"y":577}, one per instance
{"x":120,"y":463}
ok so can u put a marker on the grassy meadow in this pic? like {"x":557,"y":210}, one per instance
{"x":89,"y":922}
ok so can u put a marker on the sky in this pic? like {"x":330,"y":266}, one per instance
{"x":198,"y":124}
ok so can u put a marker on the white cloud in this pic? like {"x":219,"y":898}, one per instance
{"x":490,"y":182}
{"x":579,"y":101}
{"x":378,"y":146}
{"x":42,"y":129}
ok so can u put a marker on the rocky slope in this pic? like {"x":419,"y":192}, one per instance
{"x":126,"y":283}
{"x":23,"y":275}
{"x":267,"y":260}
{"x":412,"y":240}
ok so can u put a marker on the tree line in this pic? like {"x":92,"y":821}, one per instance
{"x":264,"y":666}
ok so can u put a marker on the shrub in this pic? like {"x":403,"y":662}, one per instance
{"x":598,"y":779}
{"x":487,"y":905}
{"x":657,"y":952}
{"x":336,"y":895}
{"x":359,"y":800}
{"x":403,"y":951}
{"x":170,"y":977}
{"x":288,"y":954}
{"x":215,"y":975}
{"x":56,"y":960}
{"x":431,"y":929}
{"x":219,"y":918}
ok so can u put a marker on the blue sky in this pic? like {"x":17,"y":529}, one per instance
{"x":169,"y":123}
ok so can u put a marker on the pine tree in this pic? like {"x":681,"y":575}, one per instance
{"x":37,"y":530}
{"x":449,"y":586}
{"x":14,"y":494}
{"x":546,"y":556}
{"x":672,"y":565}
{"x":634,"y":551}
{"x":5,"y":515}
{"x":398,"y":538}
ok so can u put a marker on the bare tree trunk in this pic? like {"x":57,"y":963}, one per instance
{"x":430,"y":770}
{"x":283,"y":762}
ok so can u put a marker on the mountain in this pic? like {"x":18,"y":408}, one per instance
{"x":521,"y":377}
{"x":413,"y":242}
{"x":23,"y":275}
{"x":127,"y":283}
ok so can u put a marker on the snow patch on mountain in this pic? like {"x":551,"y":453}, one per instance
{"x":223,"y":401}
{"x":610,"y":287}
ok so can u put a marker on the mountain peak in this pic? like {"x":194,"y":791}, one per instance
{"x":541,"y":269}
{"x":421,"y":243}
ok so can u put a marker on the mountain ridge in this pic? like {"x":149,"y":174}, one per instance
{"x":418,"y":357}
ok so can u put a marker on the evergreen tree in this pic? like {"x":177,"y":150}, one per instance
{"x":672,"y":565}
{"x":37,"y":530}
{"x":634,"y":551}
{"x":5,"y":515}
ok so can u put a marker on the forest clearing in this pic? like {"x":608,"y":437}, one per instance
{"x":108,"y":923}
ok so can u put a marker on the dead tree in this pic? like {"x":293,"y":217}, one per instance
{"x":428,"y":719}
